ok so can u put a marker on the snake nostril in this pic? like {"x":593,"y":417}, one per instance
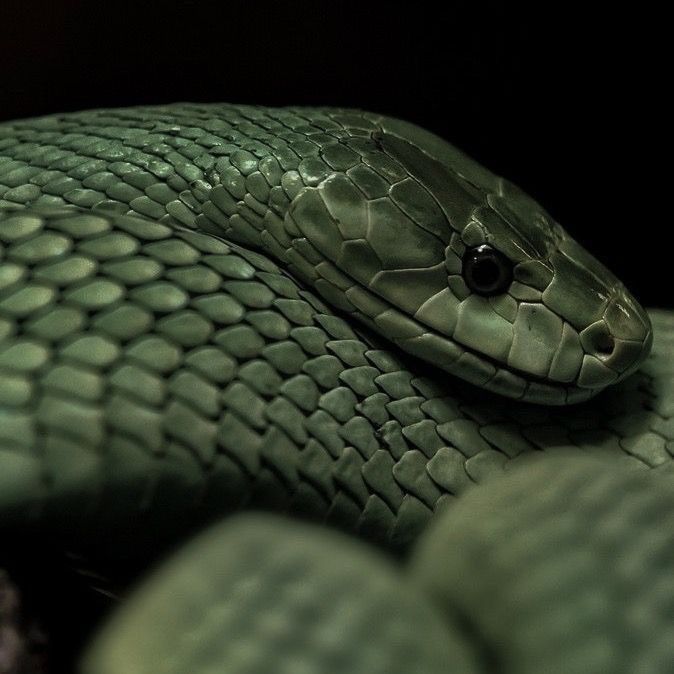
{"x":604,"y":345}
{"x":598,"y":340}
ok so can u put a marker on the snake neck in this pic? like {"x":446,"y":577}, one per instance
{"x":372,"y":214}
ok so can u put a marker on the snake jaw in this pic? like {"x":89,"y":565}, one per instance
{"x":566,"y":327}
{"x":385,"y":241}
{"x":545,"y":340}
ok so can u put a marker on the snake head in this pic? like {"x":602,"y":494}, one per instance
{"x":465,"y":271}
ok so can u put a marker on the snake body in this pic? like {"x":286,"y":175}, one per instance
{"x":211,"y":307}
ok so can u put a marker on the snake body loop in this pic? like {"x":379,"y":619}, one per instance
{"x":372,"y":213}
{"x":211,"y":307}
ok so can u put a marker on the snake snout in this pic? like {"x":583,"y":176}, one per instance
{"x":630,"y":328}
{"x":619,"y":341}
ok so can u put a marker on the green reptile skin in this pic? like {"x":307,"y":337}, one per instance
{"x":575,"y":579}
{"x":282,"y":593}
{"x":372,"y":212}
{"x":209,"y":307}
{"x":146,"y":405}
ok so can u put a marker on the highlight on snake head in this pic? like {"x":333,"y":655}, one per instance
{"x":464,"y":270}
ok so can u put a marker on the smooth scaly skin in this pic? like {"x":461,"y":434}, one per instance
{"x":372,"y":212}
{"x":139,"y":406}
{"x":153,"y":379}
{"x":280,"y":596}
{"x":571,"y":579}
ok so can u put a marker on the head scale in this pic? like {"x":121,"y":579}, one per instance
{"x":464,"y":270}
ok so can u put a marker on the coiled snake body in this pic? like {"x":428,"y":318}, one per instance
{"x":327,"y":313}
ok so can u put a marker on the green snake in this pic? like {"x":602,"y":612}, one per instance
{"x":336,"y":315}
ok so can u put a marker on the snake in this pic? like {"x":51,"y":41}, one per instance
{"x":453,"y":423}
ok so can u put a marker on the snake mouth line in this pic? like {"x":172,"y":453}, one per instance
{"x":484,"y":371}
{"x":570,"y":393}
{"x":427,"y":344}
{"x":445,"y":355}
{"x":507,"y":381}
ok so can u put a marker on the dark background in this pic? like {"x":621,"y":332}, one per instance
{"x":569,"y":105}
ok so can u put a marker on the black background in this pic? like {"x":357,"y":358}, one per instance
{"x":569,"y":105}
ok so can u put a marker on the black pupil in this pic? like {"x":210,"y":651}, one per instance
{"x":486,"y":271}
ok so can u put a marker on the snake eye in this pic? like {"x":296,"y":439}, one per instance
{"x":486,"y":271}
